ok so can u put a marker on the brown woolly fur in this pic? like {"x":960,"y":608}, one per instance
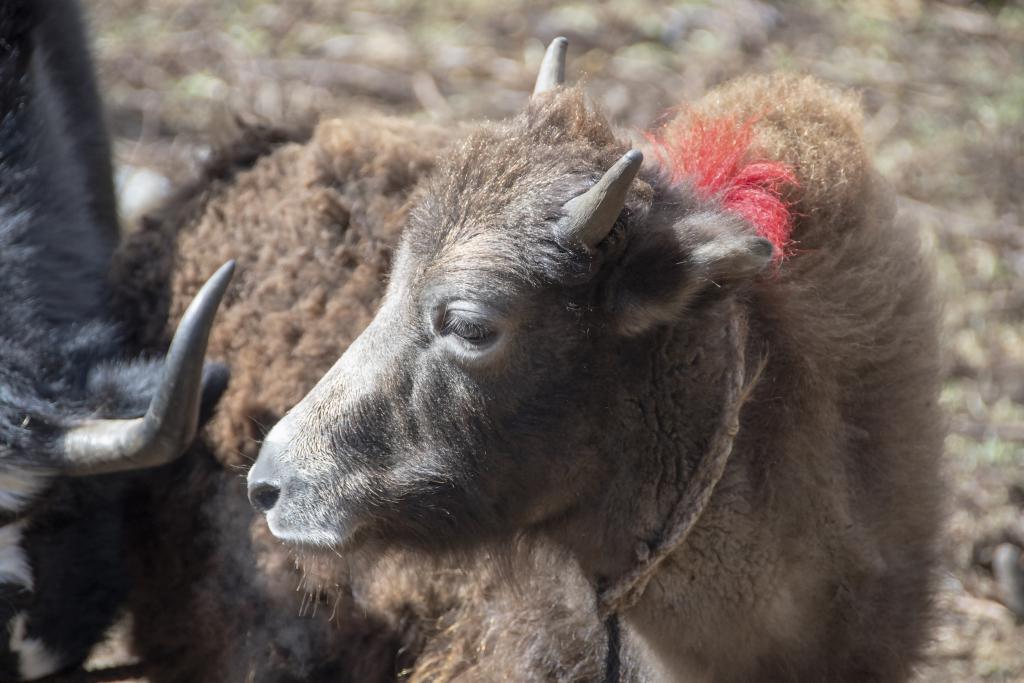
{"x":813,"y":558}
{"x":495,"y":631}
{"x":142,"y":270}
{"x":487,"y":619}
{"x":312,"y":228}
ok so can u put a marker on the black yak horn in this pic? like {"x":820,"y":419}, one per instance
{"x":590,"y":216}
{"x":552,"y":69}
{"x":169,"y":425}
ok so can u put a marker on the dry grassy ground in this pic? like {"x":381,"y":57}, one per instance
{"x":942,"y":85}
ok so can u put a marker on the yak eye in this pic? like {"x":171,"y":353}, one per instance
{"x":474,"y":331}
{"x":472,"y":325}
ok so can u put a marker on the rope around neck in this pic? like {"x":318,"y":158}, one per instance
{"x":625,"y":592}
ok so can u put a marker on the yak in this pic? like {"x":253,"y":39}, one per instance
{"x":615,"y":418}
{"x":703,"y":364}
{"x":77,"y":405}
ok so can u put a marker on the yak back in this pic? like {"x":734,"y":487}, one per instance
{"x":312,"y":227}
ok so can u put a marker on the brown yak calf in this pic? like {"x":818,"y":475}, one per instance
{"x":705,"y":383}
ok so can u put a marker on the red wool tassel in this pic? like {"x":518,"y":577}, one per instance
{"x":714,"y":155}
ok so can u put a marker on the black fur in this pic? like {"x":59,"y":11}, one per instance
{"x":62,"y":39}
{"x":62,"y":356}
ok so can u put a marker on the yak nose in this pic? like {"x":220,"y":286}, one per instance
{"x":263,"y":495}
{"x":264,"y":477}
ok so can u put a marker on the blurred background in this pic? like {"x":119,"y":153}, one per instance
{"x":942,"y":85}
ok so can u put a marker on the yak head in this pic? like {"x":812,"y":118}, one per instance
{"x":536,"y":267}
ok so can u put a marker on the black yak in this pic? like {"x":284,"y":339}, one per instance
{"x":74,"y":400}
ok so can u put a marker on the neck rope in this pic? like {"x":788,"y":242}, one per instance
{"x":626,"y":591}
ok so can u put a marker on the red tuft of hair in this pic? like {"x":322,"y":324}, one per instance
{"x":715,"y":155}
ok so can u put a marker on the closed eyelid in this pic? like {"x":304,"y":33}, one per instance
{"x":465,"y":328}
{"x":455,"y":318}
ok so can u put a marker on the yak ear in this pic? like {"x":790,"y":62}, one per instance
{"x":664,"y":272}
{"x":734,"y":259}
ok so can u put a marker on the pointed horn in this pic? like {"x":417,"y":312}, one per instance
{"x":590,"y":216}
{"x":552,"y":68}
{"x":169,"y":425}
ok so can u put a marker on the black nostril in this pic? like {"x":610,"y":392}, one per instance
{"x":263,"y":495}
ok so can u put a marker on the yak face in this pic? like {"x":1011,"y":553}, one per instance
{"x":475,"y":402}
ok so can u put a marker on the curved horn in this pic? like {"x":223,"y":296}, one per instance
{"x":590,"y":216}
{"x":100,"y":446}
{"x":552,"y":68}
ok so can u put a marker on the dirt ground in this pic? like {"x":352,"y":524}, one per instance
{"x":942,"y":84}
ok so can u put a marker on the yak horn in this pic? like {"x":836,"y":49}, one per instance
{"x":590,"y":216}
{"x":552,"y":68}
{"x":163,"y":433}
